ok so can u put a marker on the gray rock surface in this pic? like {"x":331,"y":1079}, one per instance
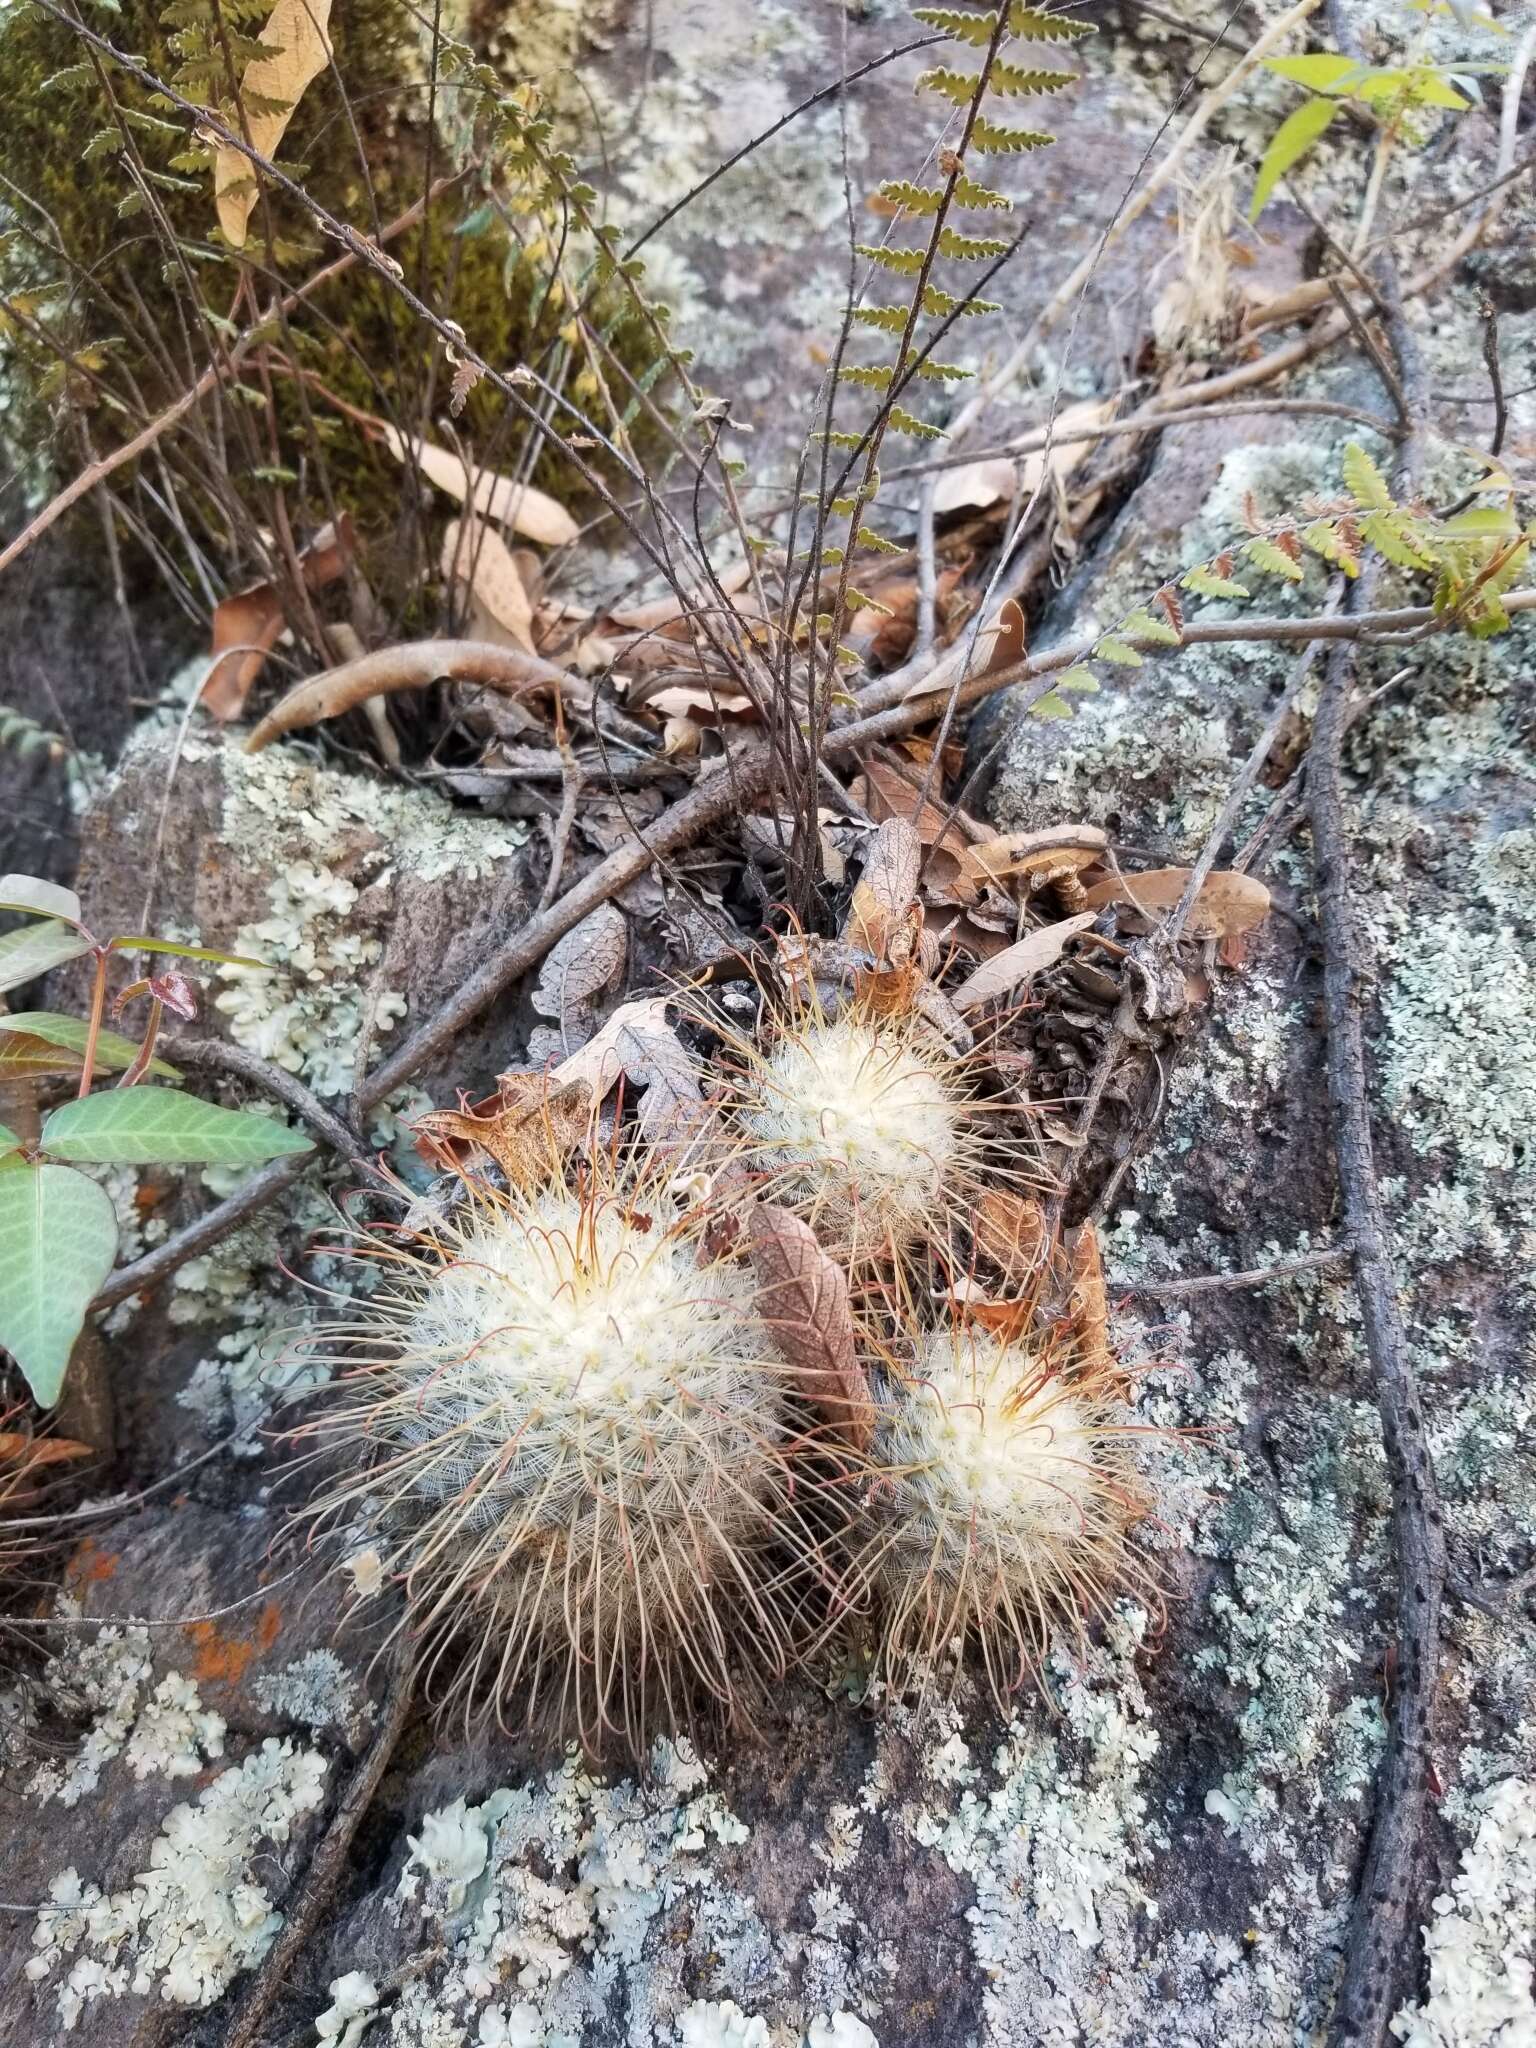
{"x":1162,"y":1852}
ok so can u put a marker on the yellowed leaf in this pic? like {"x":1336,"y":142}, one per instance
{"x":603,"y":1059}
{"x":297,"y":32}
{"x":494,"y":497}
{"x":476,"y":557}
{"x":1228,"y":902}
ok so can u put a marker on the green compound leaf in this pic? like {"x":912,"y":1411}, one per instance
{"x":1078,"y":678}
{"x":1148,"y":626}
{"x":36,"y":949}
{"x":1364,"y":481}
{"x":1050,"y":706}
{"x":9,"y":1142}
{"x":155,"y":1126}
{"x":1120,"y":652}
{"x":58,"y":1238}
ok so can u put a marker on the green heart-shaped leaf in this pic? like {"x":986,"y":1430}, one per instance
{"x":158,"y":1126}
{"x":58,"y":1238}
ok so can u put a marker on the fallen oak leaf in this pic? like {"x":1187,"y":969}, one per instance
{"x":498,"y":498}
{"x":272,"y":86}
{"x":1017,"y":963}
{"x":802,"y":1297}
{"x":603,"y":1060}
{"x":1228,"y":902}
{"x":389,"y":670}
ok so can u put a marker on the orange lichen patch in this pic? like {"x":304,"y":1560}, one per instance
{"x":224,"y":1660}
{"x":90,"y":1564}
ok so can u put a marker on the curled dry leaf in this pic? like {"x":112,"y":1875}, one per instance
{"x":802,"y":1296}
{"x":1000,"y":643}
{"x":389,"y":670}
{"x":493,"y":497}
{"x":1042,"y":857}
{"x":880,"y":915}
{"x":1088,"y":1306}
{"x":588,"y":960}
{"x":1009,"y":1230}
{"x":17,"y":1448}
{"x":296,"y":32}
{"x":1228,"y":902}
{"x":1028,"y":956}
{"x":248,"y":624}
{"x":525,"y":1128}
{"x":478,"y":561}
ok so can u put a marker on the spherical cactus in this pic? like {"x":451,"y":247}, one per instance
{"x":1004,"y":1494}
{"x":864,"y":1126}
{"x":576,"y":1429}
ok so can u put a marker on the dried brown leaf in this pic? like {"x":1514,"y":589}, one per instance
{"x":1010,"y":1231}
{"x":497,"y":498}
{"x":885,"y":897}
{"x":1028,"y":956}
{"x":297,"y":33}
{"x":990,"y":479}
{"x":588,"y":960}
{"x":477,"y":559}
{"x":802,"y":1296}
{"x":248,"y":624}
{"x":1088,"y":1307}
{"x":1042,"y":856}
{"x":1228,"y":902}
{"x":527,"y":1127}
{"x":661,"y":611}
{"x":16,"y":1447}
{"x":626,"y":1037}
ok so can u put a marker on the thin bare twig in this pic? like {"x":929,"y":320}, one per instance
{"x":1255,"y":1276}
{"x":1381,"y":1928}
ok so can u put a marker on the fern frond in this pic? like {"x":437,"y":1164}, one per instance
{"x":992,"y":140}
{"x":1364,"y":481}
{"x":941,"y":373}
{"x":970,"y":248}
{"x":956,"y":86}
{"x":876,"y":377}
{"x":1273,"y":559}
{"x":890,"y":319}
{"x":925,"y":200}
{"x":1396,"y":535}
{"x":1038,"y":25}
{"x":868,"y":538}
{"x":959,"y":25}
{"x":900,"y":421}
{"x":904,"y":262}
{"x":1013,"y":80}
{"x":941,"y":303}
